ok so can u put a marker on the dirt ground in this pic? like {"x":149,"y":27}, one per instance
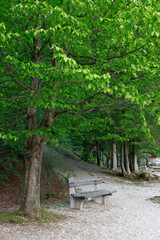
{"x":129,"y":213}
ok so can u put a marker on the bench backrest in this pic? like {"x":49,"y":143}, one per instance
{"x":92,"y":181}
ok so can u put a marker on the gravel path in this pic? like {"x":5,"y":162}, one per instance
{"x":128,"y":214}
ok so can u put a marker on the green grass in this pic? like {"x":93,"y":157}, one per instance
{"x":13,"y":217}
{"x":43,"y":216}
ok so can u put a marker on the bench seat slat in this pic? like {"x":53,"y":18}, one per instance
{"x":91,"y":194}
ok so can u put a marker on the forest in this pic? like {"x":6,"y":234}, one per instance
{"x":82,"y":75}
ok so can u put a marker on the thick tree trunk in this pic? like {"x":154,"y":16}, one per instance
{"x":31,"y":198}
{"x":114,"y":157}
{"x":34,"y":147}
{"x":124,"y":173}
{"x":126,"y":158}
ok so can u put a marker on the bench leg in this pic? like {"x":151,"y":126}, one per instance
{"x":76,"y":203}
{"x":101,"y":199}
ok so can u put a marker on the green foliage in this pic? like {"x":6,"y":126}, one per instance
{"x":87,"y":67}
{"x":99,"y":47}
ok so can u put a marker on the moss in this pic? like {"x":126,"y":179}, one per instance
{"x":43,"y":216}
{"x":13,"y":217}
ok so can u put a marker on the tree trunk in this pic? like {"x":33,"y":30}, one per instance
{"x":114,"y":157}
{"x":31,"y":198}
{"x":34,"y":147}
{"x":131,"y":155}
{"x":147,"y":162}
{"x":124,"y":173}
{"x":111,"y":156}
{"x":102,"y":158}
{"x":107,"y":162}
{"x":126,"y":158}
{"x":98,"y":157}
{"x":135,"y":164}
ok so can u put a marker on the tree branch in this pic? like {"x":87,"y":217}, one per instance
{"x":104,"y":107}
{"x":11,"y":74}
{"x":23,"y":117}
{"x":43,"y":46}
{"x":94,"y":109}
{"x":12,"y":98}
{"x":126,"y":53}
{"x":85,"y":57}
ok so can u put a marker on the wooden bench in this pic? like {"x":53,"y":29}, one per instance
{"x":77,"y":196}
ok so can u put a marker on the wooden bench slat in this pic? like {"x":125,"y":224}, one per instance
{"x":76,"y":183}
{"x":91,"y":194}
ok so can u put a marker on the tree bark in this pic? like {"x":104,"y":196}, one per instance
{"x":124,"y":173}
{"x":107,"y":162}
{"x":147,"y":162}
{"x":114,"y":157}
{"x":126,"y":159}
{"x":131,"y":155}
{"x":31,"y":198}
{"x":135,"y":164}
{"x":34,"y":146}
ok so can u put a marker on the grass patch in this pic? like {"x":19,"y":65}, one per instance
{"x":42,"y":217}
{"x":13,"y":217}
{"x":45,"y":216}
